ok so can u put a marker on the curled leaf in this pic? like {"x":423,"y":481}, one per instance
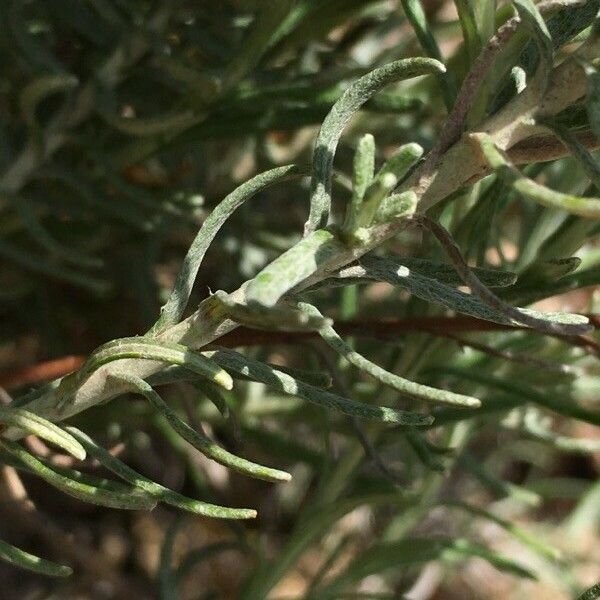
{"x":200,"y":441}
{"x":337,"y":119}
{"x":405,"y":386}
{"x":172,"y":311}
{"x":107,"y":460}
{"x":24,"y":560}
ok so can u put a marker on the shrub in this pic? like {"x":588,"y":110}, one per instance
{"x":426,"y":374}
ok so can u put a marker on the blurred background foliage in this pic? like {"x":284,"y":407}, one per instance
{"x":122,"y":123}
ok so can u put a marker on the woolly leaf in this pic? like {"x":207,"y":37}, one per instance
{"x":292,"y":267}
{"x":33,"y":424}
{"x":82,"y":487}
{"x":386,"y":180}
{"x":584,"y":207}
{"x":337,"y":119}
{"x":113,"y":464}
{"x":405,"y":386}
{"x":173,"y":310}
{"x":362,"y":175}
{"x":200,"y":441}
{"x":290,"y":385}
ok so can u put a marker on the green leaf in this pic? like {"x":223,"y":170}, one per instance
{"x":280,"y":317}
{"x":38,"y":263}
{"x":559,"y":404}
{"x":405,"y":386}
{"x":161,"y":493}
{"x":537,"y":426}
{"x":24,"y":560}
{"x":314,"y":252}
{"x":39,"y":89}
{"x":430,"y":290}
{"x":468,"y":24}
{"x":584,"y":207}
{"x":386,"y":180}
{"x":82,"y":487}
{"x":396,"y":206}
{"x":527,"y":539}
{"x":172,"y":311}
{"x":168,"y":123}
{"x":534,"y":21}
{"x":44,"y":429}
{"x":145,"y":348}
{"x":286,"y":383}
{"x":446,"y":273}
{"x":337,"y":119}
{"x":201,"y":442}
{"x":418,"y":19}
{"x":311,"y":528}
{"x":362,"y":174}
{"x":263,"y":32}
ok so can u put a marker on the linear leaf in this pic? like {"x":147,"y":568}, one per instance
{"x":151,"y":349}
{"x":337,"y":119}
{"x":405,"y":386}
{"x":172,"y":311}
{"x":584,"y":207}
{"x":418,"y":19}
{"x":292,"y":267}
{"x":363,"y":169}
{"x":201,"y":442}
{"x":280,"y":317}
{"x":20,"y":558}
{"x":82,"y":487}
{"x":588,"y":163}
{"x":592,"y":98}
{"x":290,"y":385}
{"x":414,"y":551}
{"x":591,"y":593}
{"x":36,"y":425}
{"x":160,"y":492}
{"x":430,"y":290}
{"x":530,"y":15}
{"x":386,"y":180}
{"x":518,"y":532}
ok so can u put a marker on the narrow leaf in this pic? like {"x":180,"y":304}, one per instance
{"x":20,"y":558}
{"x":110,"y":462}
{"x":280,"y":317}
{"x":362,"y":175}
{"x":591,"y":593}
{"x":73,"y":483}
{"x":147,"y":348}
{"x":405,"y":386}
{"x":294,"y":266}
{"x":172,"y":311}
{"x":46,"y":430}
{"x":386,"y":180}
{"x":201,"y":442}
{"x":337,"y":119}
{"x":584,"y":207}
{"x":290,"y":385}
{"x":592,"y":99}
{"x":430,"y":290}
{"x":418,"y":19}
{"x":578,"y":150}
